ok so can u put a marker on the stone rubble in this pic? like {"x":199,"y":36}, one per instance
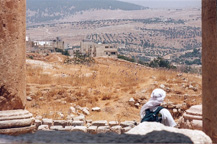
{"x":80,"y":124}
{"x":192,"y":118}
{"x":96,"y":109}
{"x":132,"y":101}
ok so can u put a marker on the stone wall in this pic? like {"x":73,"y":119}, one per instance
{"x":12,"y":54}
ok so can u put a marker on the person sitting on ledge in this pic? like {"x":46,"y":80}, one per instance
{"x":153,"y":112}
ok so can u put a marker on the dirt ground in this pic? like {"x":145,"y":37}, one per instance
{"x":108,"y":84}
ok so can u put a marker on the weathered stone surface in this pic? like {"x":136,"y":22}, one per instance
{"x":80,"y":128}
{"x":97,"y":109}
{"x":126,"y":129}
{"x":116,"y":129}
{"x":56,"y":128}
{"x":28,"y":98}
{"x":92,"y":129}
{"x":68,"y":128}
{"x":209,"y":68}
{"x":197,"y":124}
{"x":20,"y":121}
{"x":12,"y":55}
{"x":79,"y":118}
{"x":39,"y":117}
{"x":38,"y":123}
{"x":195,"y":110}
{"x":72,"y":110}
{"x":12,"y":113}
{"x":103,"y":129}
{"x":43,"y":127}
{"x":77,"y":123}
{"x":132,"y":101}
{"x":85,"y":111}
{"x":89,"y":121}
{"x":100,"y":123}
{"x":24,"y":116}
{"x":127,"y":124}
{"x":61,"y":122}
{"x":192,"y":118}
{"x":147,"y":127}
{"x":48,"y":122}
{"x":70,"y":117}
{"x":113,"y":123}
{"x":15,"y":123}
{"x":18,"y":131}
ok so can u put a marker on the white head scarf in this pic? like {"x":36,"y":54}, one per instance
{"x":157,"y":97}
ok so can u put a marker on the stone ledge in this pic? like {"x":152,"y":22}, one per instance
{"x":25,"y":116}
{"x":11,"y":113}
{"x":17,"y":131}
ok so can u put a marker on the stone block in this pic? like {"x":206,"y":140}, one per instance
{"x":38,"y":123}
{"x":103,"y":129}
{"x":79,"y":118}
{"x":85,"y":111}
{"x":96,"y":109}
{"x":68,"y":128}
{"x":48,"y":122}
{"x":100,"y":123}
{"x":72,"y":110}
{"x":15,"y":123}
{"x":195,"y":136}
{"x":60,"y":122}
{"x":38,"y":117}
{"x":191,"y":117}
{"x":89,"y":121}
{"x":197,"y":124}
{"x":127,"y":124}
{"x":78,"y":123}
{"x":126,"y":129}
{"x":43,"y":127}
{"x":80,"y":128}
{"x":113,"y":123}
{"x":70,"y":117}
{"x":18,"y":131}
{"x":195,"y":110}
{"x":56,"y":128}
{"x":132,"y":101}
{"x":92,"y":129}
{"x":116,"y":129}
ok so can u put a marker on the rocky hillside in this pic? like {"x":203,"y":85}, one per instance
{"x":116,"y":87}
{"x":47,"y":10}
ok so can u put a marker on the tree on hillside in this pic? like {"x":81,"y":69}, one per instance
{"x":160,"y":62}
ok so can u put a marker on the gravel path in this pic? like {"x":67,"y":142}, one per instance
{"x":79,"y":137}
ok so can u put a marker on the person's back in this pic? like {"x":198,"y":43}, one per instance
{"x":157,"y":97}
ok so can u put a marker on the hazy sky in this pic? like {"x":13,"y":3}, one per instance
{"x":167,"y":3}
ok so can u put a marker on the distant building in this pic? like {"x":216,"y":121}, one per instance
{"x":99,"y":50}
{"x":45,"y":46}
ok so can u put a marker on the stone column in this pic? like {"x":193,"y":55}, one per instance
{"x":12,"y":54}
{"x":209,"y":61}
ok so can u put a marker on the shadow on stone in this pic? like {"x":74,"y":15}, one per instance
{"x":79,"y":137}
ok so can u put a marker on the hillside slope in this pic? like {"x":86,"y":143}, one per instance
{"x":47,"y":10}
{"x":108,"y":84}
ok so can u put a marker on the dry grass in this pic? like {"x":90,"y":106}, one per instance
{"x":108,"y":84}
